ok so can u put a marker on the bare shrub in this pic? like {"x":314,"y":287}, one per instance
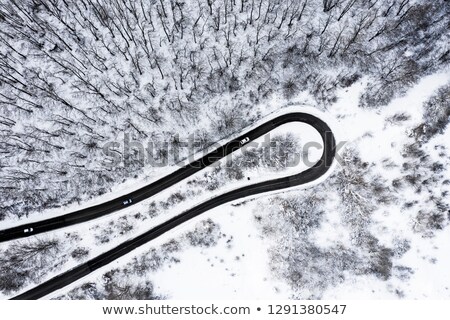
{"x":80,"y":254}
{"x":380,"y":263}
{"x":206,"y":234}
{"x":427,"y":222}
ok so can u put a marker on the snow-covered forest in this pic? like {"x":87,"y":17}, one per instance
{"x":77,"y":74}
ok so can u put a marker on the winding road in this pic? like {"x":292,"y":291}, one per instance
{"x":309,"y":175}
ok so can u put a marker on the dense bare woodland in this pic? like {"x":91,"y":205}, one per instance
{"x":75,"y":75}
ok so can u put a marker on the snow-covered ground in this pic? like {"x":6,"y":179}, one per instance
{"x":237,"y":266}
{"x":375,"y":226}
{"x":428,"y":257}
{"x":88,"y":232}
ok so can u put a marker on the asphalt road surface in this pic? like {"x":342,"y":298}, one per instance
{"x":309,"y":175}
